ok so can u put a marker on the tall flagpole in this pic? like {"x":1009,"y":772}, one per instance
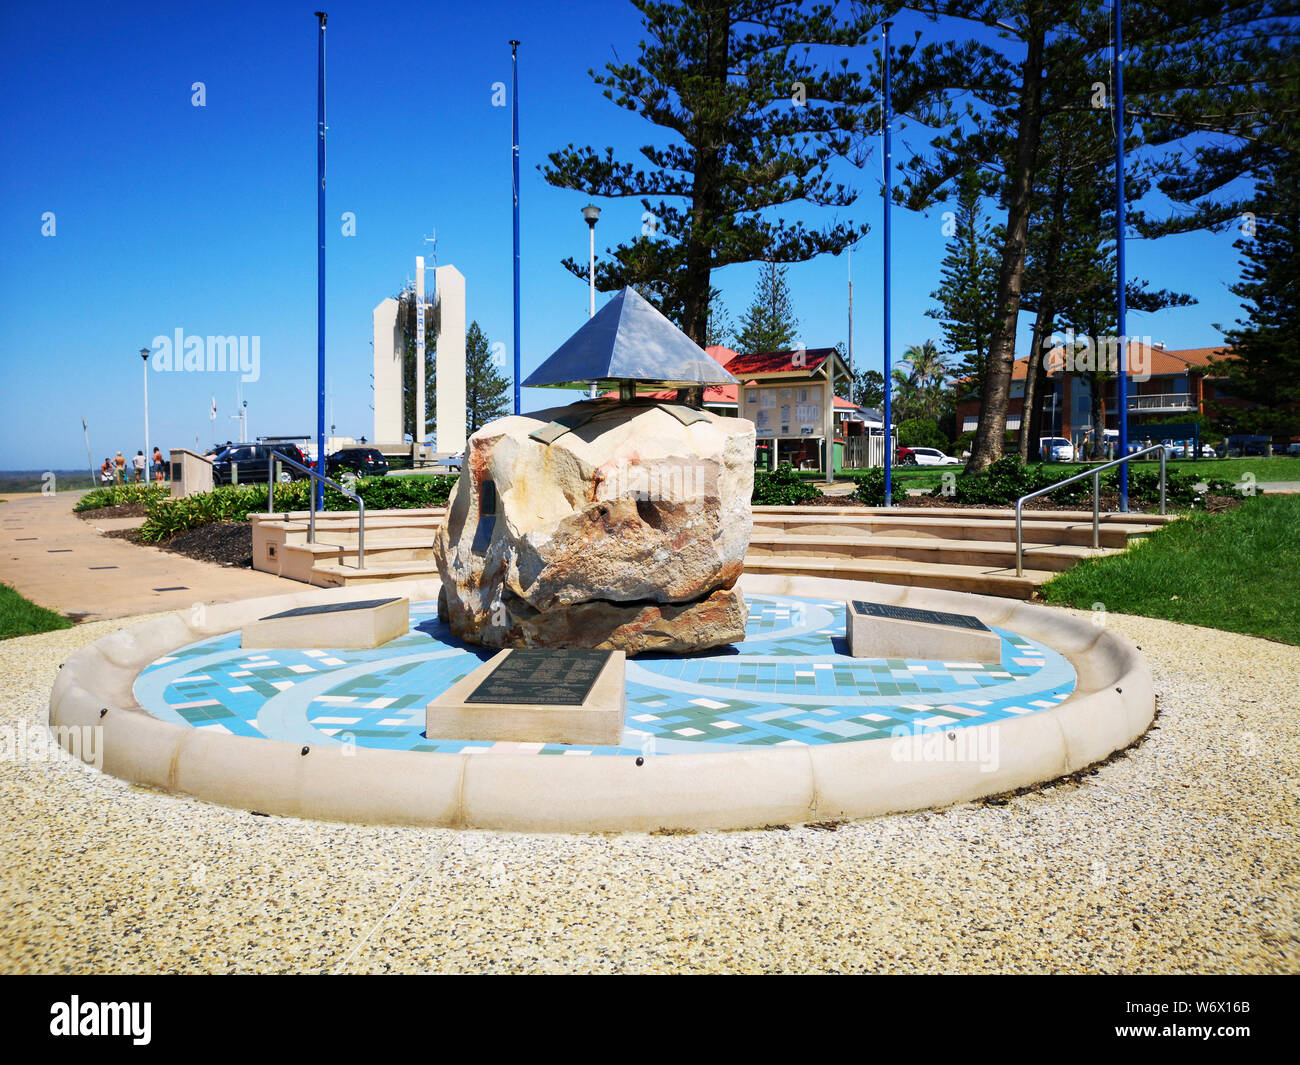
{"x":319,"y":494}
{"x":889,"y":437}
{"x":514,"y":100}
{"x":1121,"y":322}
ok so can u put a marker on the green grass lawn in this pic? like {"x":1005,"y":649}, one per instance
{"x":1238,"y":570}
{"x":19,"y":617}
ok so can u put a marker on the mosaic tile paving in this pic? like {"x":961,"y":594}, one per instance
{"x":790,"y":683}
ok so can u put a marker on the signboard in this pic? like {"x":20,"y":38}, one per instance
{"x":542,"y":676}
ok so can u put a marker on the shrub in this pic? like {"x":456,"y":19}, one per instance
{"x":167,"y":516}
{"x":783,"y":487}
{"x":1005,"y":481}
{"x":871,"y":488}
{"x":112,"y":495}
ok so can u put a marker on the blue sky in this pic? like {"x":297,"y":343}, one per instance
{"x":170,"y":216}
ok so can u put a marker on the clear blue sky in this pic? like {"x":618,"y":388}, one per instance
{"x":170,"y":216}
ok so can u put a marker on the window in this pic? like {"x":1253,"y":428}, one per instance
{"x":803,"y":395}
{"x":751,"y":395}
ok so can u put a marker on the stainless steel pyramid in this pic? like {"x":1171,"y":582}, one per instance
{"x":629,"y":340}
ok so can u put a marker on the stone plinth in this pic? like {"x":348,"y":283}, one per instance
{"x":536,"y":696}
{"x":357,"y":625}
{"x":600,"y":525}
{"x":876,"y":630}
{"x":190,"y":473}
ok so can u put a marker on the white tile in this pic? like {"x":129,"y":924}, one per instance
{"x":312,"y":669}
{"x":875,"y":717}
{"x":216,"y":727}
{"x":282,"y":684}
{"x":249,"y":672}
{"x":1042,"y":704}
{"x":204,"y":676}
{"x":710,"y":704}
{"x":335,"y":699}
{"x":937,"y":719}
{"x":321,"y":654}
{"x":334,"y":720}
{"x":246,"y":688}
{"x":401,"y":720}
{"x":585,"y":753}
{"x":792,"y":743}
{"x":1016,"y":709}
{"x":209,"y":702}
{"x":338,"y":661}
{"x":652,"y":717}
{"x":385,"y":703}
{"x":732,"y":724}
{"x":694,"y":731}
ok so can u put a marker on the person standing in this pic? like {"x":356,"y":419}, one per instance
{"x":119,"y":469}
{"x":138,"y":463}
{"x":158,"y":468}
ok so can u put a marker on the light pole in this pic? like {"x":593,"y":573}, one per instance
{"x":148,"y":455}
{"x":514,"y":150}
{"x":592,"y":214}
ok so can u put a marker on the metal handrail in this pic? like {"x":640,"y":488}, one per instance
{"x":1095,"y":474}
{"x":311,"y":512}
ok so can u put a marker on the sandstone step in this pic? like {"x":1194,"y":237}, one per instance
{"x":932,"y":550}
{"x":978,"y":579}
{"x":978,"y":514}
{"x":1078,"y":533}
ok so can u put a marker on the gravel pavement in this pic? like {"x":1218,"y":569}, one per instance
{"x":1179,"y":856}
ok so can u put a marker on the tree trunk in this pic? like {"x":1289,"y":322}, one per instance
{"x":696,"y":282}
{"x":1031,"y":407}
{"x":991,"y":434}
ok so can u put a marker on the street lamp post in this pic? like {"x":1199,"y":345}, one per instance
{"x":591,"y":213}
{"x":148,"y":454}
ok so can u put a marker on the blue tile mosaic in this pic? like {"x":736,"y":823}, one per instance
{"x":790,"y":682}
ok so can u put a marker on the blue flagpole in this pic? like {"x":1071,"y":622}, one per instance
{"x":514,"y":100}
{"x":889,"y":439}
{"x":320,"y":261}
{"x":1121,"y":319}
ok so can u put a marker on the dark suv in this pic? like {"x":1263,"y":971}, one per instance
{"x":251,"y":461}
{"x":363,"y":461}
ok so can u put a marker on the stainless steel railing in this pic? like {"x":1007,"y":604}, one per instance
{"x":272,"y":475}
{"x":1095,"y":473}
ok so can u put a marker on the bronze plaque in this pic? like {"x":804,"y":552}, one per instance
{"x":543,"y":677}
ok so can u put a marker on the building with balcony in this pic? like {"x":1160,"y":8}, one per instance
{"x":1162,"y":385}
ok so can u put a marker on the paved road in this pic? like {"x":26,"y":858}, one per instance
{"x":60,"y":561}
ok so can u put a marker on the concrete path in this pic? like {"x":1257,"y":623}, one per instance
{"x":66,"y":564}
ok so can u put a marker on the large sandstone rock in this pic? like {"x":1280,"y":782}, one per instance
{"x":628,"y":532}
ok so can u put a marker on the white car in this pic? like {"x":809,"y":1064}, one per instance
{"x":1056,"y":448}
{"x":932,"y":456}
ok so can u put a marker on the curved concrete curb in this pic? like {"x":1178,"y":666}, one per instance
{"x":1113,"y":704}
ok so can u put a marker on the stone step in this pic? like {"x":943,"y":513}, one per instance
{"x":930,"y":551}
{"x":1078,"y":533}
{"x":978,"y":579}
{"x":978,"y":514}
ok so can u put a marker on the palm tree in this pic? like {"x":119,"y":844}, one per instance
{"x":918,"y":390}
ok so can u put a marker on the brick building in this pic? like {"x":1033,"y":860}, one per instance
{"x":1163,"y":385}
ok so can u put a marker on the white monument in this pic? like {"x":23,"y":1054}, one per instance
{"x":449,"y":294}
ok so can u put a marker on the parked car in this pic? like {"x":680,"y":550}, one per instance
{"x":905,"y":456}
{"x":1187,"y":450}
{"x":363,"y":461}
{"x":249,"y":463}
{"x":1293,"y":448}
{"x":932,"y":456}
{"x":1056,"y":449}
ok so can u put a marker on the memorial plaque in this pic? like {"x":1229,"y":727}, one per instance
{"x":330,"y":608}
{"x":927,"y":617}
{"x":542,"y":677}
